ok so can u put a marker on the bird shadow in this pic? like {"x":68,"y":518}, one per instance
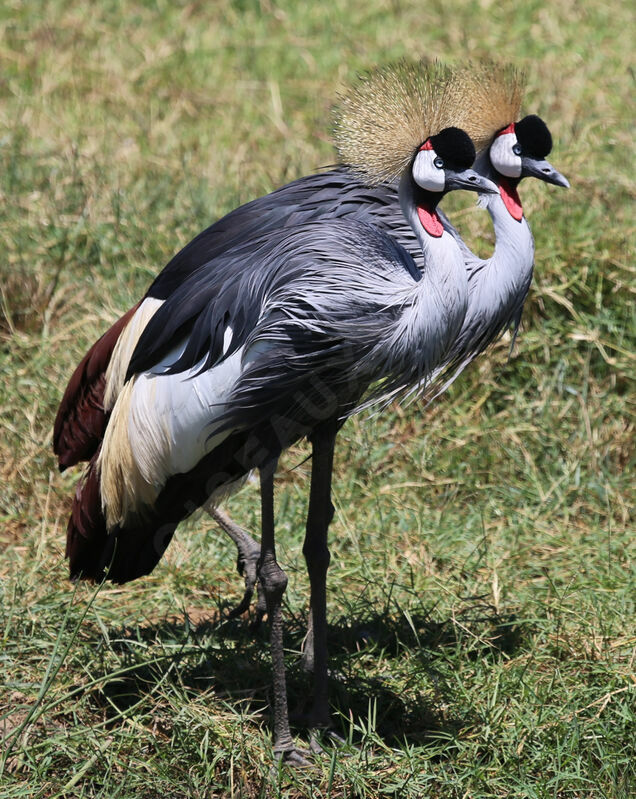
{"x":232,"y":658}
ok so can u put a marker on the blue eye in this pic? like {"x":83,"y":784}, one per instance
{"x":439,"y":162}
{"x":516,"y":149}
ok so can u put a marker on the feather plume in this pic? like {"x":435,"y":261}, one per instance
{"x":124,"y":348}
{"x":494,"y":93}
{"x":81,"y":418}
{"x":392,"y":110}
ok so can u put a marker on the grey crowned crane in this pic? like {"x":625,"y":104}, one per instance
{"x":279,"y":338}
{"x":498,"y":286}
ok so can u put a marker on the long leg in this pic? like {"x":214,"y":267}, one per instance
{"x":274,"y":582}
{"x":249,"y":552}
{"x":316,"y":552}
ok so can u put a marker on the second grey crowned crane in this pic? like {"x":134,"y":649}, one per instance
{"x":280,"y":339}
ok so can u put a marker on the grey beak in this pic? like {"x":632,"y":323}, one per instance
{"x":469,"y":180}
{"x":535,"y":168}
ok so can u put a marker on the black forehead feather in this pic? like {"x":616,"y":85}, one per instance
{"x":455,"y":147}
{"x":533,"y":136}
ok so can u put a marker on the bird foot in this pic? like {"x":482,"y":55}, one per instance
{"x":242,"y":606}
{"x":248,"y":556}
{"x":320,"y":725}
{"x":247,"y":565}
{"x":294,"y":756}
{"x":314,"y":744}
{"x":260,"y":609}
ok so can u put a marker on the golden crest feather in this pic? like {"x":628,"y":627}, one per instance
{"x":392,"y":110}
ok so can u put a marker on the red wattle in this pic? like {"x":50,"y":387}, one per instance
{"x":431,"y":222}
{"x":509,"y":129}
{"x":510,"y":196}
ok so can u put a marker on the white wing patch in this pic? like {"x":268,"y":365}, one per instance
{"x":171,"y":420}
{"x":122,"y":488}
{"x":122,"y":353}
{"x":163,"y":424}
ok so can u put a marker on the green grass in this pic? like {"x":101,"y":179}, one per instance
{"x":482,"y":586}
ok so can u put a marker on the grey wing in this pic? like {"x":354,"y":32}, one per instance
{"x":333,"y":194}
{"x":323,"y":290}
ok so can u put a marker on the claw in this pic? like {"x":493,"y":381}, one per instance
{"x":242,"y":606}
{"x":294,"y":757}
{"x":249,"y":552}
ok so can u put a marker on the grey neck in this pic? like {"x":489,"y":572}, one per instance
{"x":513,"y":239}
{"x":430,"y":245}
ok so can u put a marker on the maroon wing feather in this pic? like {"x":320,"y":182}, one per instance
{"x":86,"y":534}
{"x":125,"y":554}
{"x":81,"y":418}
{"x":93,"y":552}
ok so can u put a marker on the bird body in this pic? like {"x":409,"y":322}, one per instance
{"x":498,"y":285}
{"x":322,"y":311}
{"x":480,"y":98}
{"x":229,"y":372}
{"x":278,"y":330}
{"x":91,"y":393}
{"x":497,"y":288}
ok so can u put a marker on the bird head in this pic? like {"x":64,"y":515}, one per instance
{"x":392,"y":124}
{"x":518,"y":151}
{"x":441,"y":164}
{"x":383,"y":120}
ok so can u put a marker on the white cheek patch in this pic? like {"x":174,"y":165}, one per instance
{"x":426,"y":174}
{"x":502,"y":157}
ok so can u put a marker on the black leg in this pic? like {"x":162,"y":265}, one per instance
{"x":317,"y":556}
{"x":249,"y":552}
{"x":274,"y":582}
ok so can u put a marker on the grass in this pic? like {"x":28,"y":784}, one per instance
{"x":482,"y":585}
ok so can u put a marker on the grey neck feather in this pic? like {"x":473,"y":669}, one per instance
{"x":514,"y":246}
{"x":442,"y":293}
{"x":433,"y":247}
{"x":497,"y":285}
